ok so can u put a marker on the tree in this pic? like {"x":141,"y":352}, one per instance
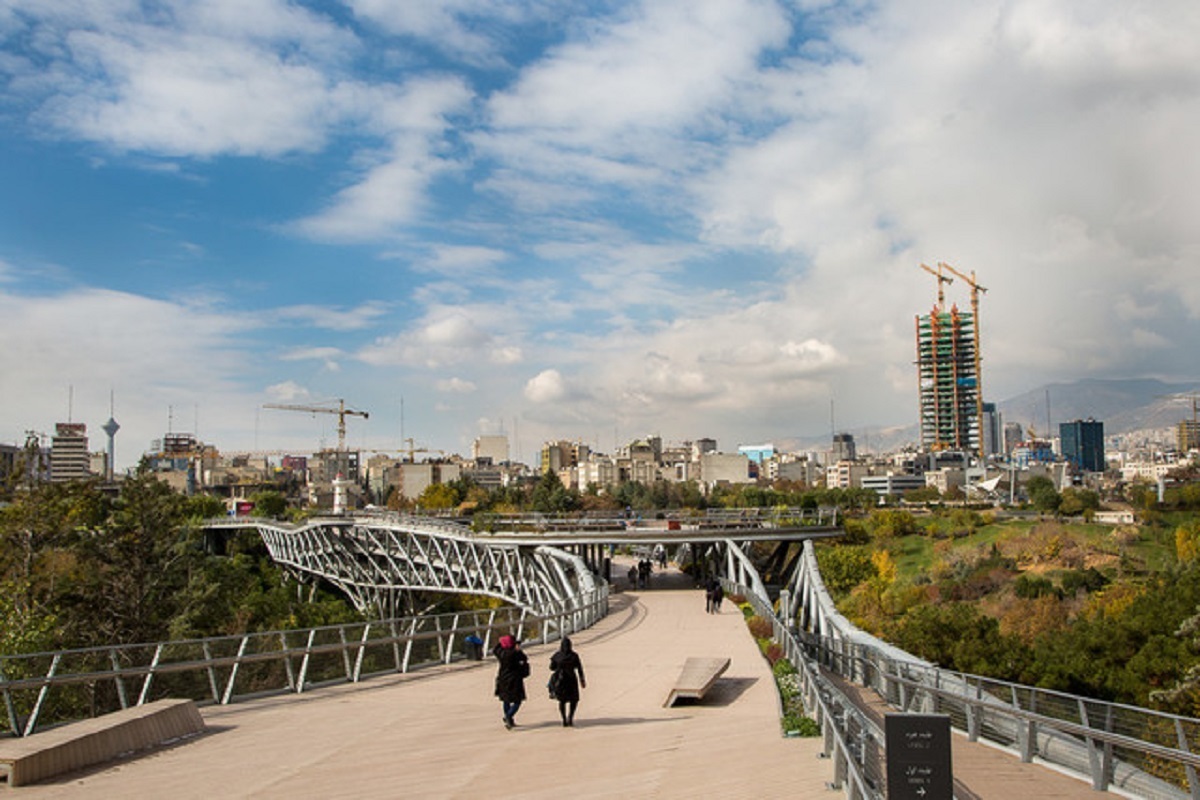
{"x":438,"y":496}
{"x":269,"y":504}
{"x":844,"y":567}
{"x":1042,"y":494}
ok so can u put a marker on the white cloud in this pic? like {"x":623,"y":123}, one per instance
{"x":547,"y":386}
{"x":334,"y":319}
{"x":199,"y":79}
{"x":287,"y":392}
{"x":330,"y":357}
{"x":392,"y":191}
{"x":456,"y":386}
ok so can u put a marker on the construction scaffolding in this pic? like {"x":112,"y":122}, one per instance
{"x":948,"y":380}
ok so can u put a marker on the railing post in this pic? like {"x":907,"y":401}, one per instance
{"x":408,"y":643}
{"x":117,"y":679}
{"x":149,"y":675}
{"x":234,"y":670}
{"x":212,"y":673}
{"x":8,"y":704}
{"x":312,"y":634}
{"x":1181,"y":737}
{"x":287,"y":661}
{"x":362,"y":651}
{"x":31,"y":723}
{"x":1095,"y":759}
{"x":346,"y":654}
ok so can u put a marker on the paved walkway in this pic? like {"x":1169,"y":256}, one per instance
{"x":438,"y":733}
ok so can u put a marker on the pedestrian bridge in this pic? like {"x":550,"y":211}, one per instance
{"x":547,"y":576}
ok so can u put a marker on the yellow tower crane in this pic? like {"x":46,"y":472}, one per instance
{"x":976,"y":289}
{"x":937,"y":273}
{"x":340,"y":410}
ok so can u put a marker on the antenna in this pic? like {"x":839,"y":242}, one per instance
{"x":1049,"y":430}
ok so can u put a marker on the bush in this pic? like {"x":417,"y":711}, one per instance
{"x":760,"y":628}
{"x":774,"y":652}
{"x":783,"y":667}
{"x":795,"y":723}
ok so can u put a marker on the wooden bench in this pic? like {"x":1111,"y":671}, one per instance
{"x":97,"y":740}
{"x":696,"y":678}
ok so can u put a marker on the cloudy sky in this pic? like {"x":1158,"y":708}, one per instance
{"x":587,"y":220}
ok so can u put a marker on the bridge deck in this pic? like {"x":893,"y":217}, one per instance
{"x":438,"y":733}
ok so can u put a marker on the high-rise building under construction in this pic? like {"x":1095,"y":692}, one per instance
{"x":948,"y":377}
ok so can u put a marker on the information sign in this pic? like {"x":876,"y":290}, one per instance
{"x":918,"y":757}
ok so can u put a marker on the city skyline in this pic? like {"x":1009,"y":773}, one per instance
{"x":559,"y":220}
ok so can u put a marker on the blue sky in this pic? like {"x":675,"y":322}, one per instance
{"x":579,"y":220}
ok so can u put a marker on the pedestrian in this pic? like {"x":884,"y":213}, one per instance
{"x":718,"y":596}
{"x":710,"y":595}
{"x":566,"y":676}
{"x":633,"y":577}
{"x":510,"y":678}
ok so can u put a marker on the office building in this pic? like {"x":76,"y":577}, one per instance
{"x":1083,"y":444}
{"x":69,"y":458}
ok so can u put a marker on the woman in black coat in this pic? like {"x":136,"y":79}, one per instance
{"x":510,"y":679}
{"x":564,"y":666}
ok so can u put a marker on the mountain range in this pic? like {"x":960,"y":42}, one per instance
{"x":1124,"y":406}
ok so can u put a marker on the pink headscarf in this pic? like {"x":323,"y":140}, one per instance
{"x":507,"y":642}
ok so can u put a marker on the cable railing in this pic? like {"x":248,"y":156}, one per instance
{"x":55,"y":687}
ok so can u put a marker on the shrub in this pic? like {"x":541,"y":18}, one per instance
{"x":783,"y":667}
{"x":795,"y":723}
{"x":774,"y":652}
{"x":760,"y":628}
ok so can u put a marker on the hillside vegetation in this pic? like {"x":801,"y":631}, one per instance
{"x":1101,"y":611}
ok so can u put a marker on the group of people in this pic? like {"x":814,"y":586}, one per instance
{"x":714,"y":593}
{"x":566,"y":679}
{"x":639,"y":574}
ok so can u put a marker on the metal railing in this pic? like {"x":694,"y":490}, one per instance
{"x":1147,"y":753}
{"x":1143,"y":752}
{"x":74,"y":684}
{"x":850,"y":738}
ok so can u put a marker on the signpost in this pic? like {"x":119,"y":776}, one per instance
{"x":918,"y":757}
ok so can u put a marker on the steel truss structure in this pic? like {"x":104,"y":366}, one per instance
{"x":376,"y":559}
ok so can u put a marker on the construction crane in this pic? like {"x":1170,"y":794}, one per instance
{"x":341,"y":411}
{"x":976,"y":289}
{"x":937,"y":273}
{"x":412,"y":450}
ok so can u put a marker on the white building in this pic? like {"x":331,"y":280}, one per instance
{"x":492,"y":447}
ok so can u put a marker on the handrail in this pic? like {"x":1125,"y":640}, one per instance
{"x":196,"y":668}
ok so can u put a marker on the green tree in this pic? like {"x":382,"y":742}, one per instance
{"x":270,"y":504}
{"x":1042,"y":494}
{"x":845,"y":567}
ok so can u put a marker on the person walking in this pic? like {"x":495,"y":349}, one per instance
{"x":564,"y":667}
{"x":510,"y":678}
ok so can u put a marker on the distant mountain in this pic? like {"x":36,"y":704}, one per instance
{"x":1122,"y":405}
